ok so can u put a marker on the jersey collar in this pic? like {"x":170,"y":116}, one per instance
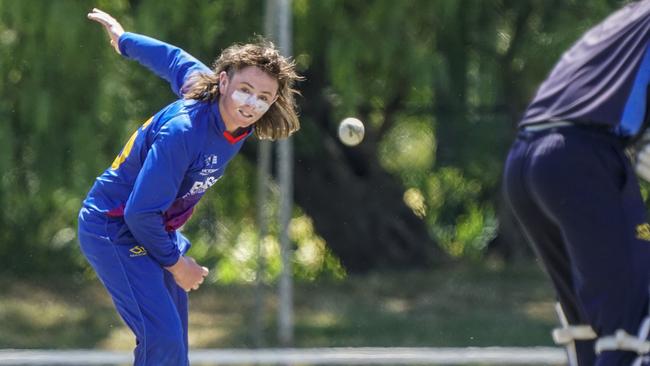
{"x":221,"y":127}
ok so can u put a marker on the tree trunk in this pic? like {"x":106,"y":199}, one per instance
{"x":360,"y":212}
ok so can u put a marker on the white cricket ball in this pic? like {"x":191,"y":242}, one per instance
{"x":351,"y":131}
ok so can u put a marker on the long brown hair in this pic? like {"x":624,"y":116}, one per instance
{"x":281,"y":120}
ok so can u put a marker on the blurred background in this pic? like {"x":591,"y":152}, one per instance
{"x":403,"y":240}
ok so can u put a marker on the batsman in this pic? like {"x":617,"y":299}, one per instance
{"x":571,"y":181}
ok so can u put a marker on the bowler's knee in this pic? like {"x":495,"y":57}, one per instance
{"x":167,"y":348}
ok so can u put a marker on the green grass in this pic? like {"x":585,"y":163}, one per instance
{"x":469,"y":305}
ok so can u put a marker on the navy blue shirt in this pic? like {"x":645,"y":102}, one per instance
{"x":603,"y":78}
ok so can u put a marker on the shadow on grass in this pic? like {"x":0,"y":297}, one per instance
{"x":54,"y":313}
{"x":459,"y":306}
{"x":446,"y":308}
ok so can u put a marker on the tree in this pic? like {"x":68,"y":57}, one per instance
{"x":440,"y":90}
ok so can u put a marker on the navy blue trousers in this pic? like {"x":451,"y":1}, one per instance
{"x":144,"y":293}
{"x":576,"y":196}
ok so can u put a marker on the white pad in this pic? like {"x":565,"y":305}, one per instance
{"x":568,"y":334}
{"x":623,"y":341}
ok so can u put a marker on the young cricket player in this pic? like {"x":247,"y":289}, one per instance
{"x":129,"y":220}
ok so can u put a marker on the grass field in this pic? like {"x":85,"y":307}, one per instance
{"x":461,"y":305}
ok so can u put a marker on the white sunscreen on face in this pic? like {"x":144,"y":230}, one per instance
{"x":251,"y":100}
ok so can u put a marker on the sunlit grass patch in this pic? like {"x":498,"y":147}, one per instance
{"x":466,"y":305}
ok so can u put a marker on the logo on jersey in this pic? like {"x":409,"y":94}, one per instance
{"x":201,"y":186}
{"x":643,"y":231}
{"x":210,"y":161}
{"x":137,"y":251}
{"x":207,"y":171}
{"x":210,"y":165}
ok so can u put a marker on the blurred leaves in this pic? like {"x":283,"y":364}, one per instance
{"x":439,"y":84}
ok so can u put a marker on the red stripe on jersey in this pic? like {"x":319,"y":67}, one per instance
{"x":232,"y":139}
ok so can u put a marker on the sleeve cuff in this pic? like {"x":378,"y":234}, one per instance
{"x":121,"y":43}
{"x":168,"y":262}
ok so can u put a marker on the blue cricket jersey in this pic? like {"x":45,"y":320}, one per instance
{"x":168,"y":163}
{"x":603,"y":78}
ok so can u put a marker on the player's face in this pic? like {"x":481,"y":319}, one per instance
{"x":246,"y":96}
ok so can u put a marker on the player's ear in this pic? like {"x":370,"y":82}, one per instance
{"x":223,"y":81}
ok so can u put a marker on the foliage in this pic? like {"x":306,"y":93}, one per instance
{"x":229,"y":244}
{"x":439,"y":88}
